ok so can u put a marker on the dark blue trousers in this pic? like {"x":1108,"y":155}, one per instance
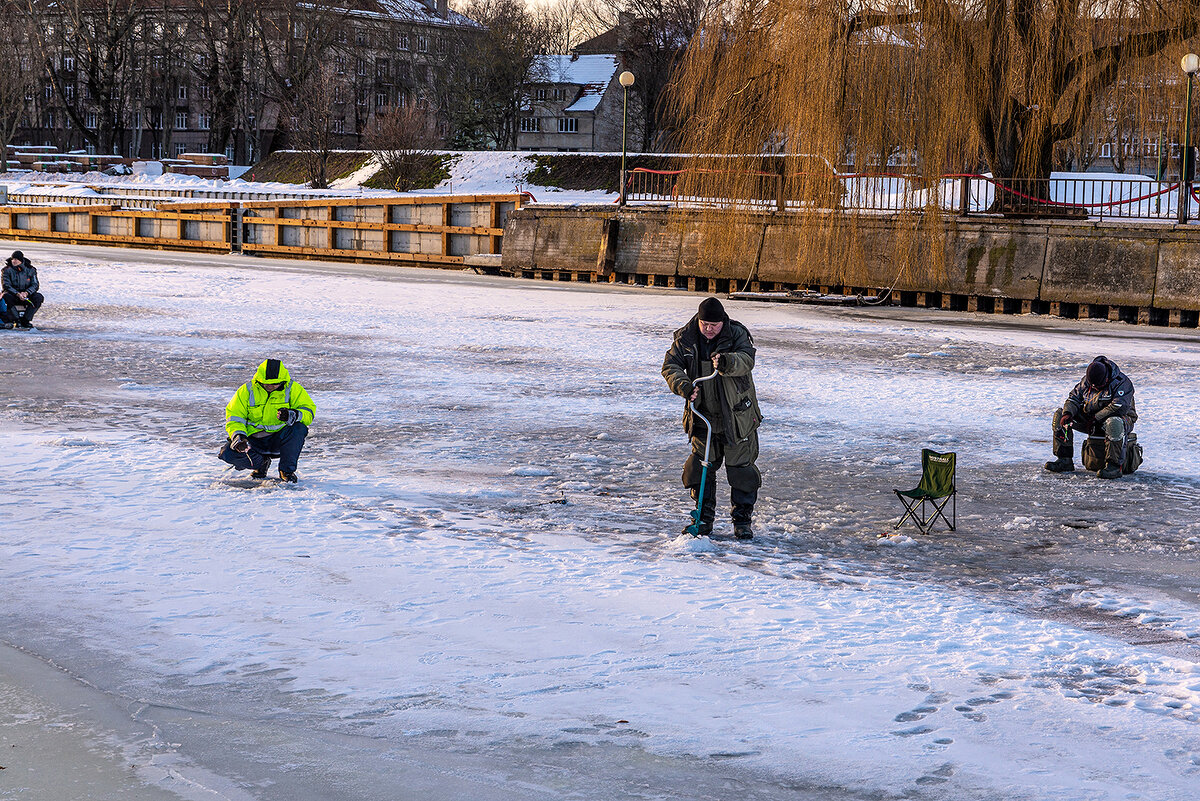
{"x":285,"y":443}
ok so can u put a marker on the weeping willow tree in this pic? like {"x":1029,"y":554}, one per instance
{"x":927,"y":87}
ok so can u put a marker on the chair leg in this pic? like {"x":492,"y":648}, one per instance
{"x":939,"y":511}
{"x":910,"y":510}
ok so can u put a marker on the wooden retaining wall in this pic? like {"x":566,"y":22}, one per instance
{"x":442,"y":230}
{"x":1076,"y":269}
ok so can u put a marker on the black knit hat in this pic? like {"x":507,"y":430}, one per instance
{"x":18,"y":255}
{"x":711,"y":311}
{"x":1098,"y":373}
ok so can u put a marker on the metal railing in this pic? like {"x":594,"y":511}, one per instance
{"x":1072,"y":197}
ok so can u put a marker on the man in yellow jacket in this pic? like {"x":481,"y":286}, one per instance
{"x":268,"y":416}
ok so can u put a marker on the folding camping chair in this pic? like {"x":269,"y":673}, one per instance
{"x":938,"y":487}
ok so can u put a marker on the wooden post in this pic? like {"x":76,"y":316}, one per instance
{"x":606,"y":260}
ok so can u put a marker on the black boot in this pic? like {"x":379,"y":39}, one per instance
{"x":288,"y":476}
{"x":261,"y":472}
{"x":1063,"y":464}
{"x":1110,"y":470}
{"x":742,"y":513}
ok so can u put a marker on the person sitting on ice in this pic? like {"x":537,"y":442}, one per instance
{"x":268,"y":416}
{"x":20,"y":284}
{"x":1100,"y":404}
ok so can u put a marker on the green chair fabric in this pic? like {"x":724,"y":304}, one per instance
{"x":938,"y":483}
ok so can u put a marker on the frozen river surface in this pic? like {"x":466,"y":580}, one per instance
{"x":478,"y":591}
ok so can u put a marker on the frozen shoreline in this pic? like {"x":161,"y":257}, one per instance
{"x":420,"y":604}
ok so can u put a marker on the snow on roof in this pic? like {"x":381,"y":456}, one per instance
{"x":414,"y":10}
{"x":593,"y":73}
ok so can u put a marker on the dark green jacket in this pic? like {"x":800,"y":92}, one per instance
{"x":735,"y":394}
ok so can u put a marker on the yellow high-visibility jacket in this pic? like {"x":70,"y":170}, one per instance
{"x":255,"y":412}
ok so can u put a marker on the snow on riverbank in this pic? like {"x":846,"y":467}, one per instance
{"x":471,"y":173}
{"x":423,"y":585}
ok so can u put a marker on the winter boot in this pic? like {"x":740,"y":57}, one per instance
{"x":1063,"y":464}
{"x":261,"y":472}
{"x":288,"y":476}
{"x":1110,"y":470}
{"x":742,"y":529}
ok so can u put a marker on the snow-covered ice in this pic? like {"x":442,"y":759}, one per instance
{"x":478,"y":589}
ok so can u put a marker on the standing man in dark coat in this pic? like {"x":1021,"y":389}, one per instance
{"x":20,"y":283}
{"x":712,"y":342}
{"x":1101,"y":403}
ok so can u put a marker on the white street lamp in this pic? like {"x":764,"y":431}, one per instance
{"x":1191,"y":66}
{"x":626,"y":79}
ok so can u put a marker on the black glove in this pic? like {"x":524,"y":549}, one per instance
{"x":1065,"y":419}
{"x":289,"y":416}
{"x":721,"y":363}
{"x":240,"y":443}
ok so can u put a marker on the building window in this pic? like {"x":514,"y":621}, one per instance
{"x":181,"y":119}
{"x":69,"y":63}
{"x":69,"y":92}
{"x":180,"y":149}
{"x":202,"y":121}
{"x":402,"y":42}
{"x":568,"y":125}
{"x":204,"y":92}
{"x":182,"y":95}
{"x":560,"y":94}
{"x":137,"y":120}
{"x":531,"y":124}
{"x":340,"y":62}
{"x":402,"y":98}
{"x":339,"y":126}
{"x":383,"y":68}
{"x":89,"y":120}
{"x":380,"y":99}
{"x":422,"y":43}
{"x":539,"y":94}
{"x":362,"y":66}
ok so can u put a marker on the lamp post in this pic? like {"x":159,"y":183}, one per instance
{"x":1191,"y":65}
{"x":626,"y":79}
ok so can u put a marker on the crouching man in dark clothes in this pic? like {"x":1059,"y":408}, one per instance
{"x":267,"y":417}
{"x":1102,"y":403}
{"x":20,"y":283}
{"x":712,"y":342}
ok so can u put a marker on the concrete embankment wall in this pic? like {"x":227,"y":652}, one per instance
{"x":1148,"y":273}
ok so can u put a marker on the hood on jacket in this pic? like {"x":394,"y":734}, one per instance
{"x":1102,"y":363}
{"x":271,"y":371}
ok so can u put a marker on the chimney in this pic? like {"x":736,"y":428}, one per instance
{"x":443,"y":8}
